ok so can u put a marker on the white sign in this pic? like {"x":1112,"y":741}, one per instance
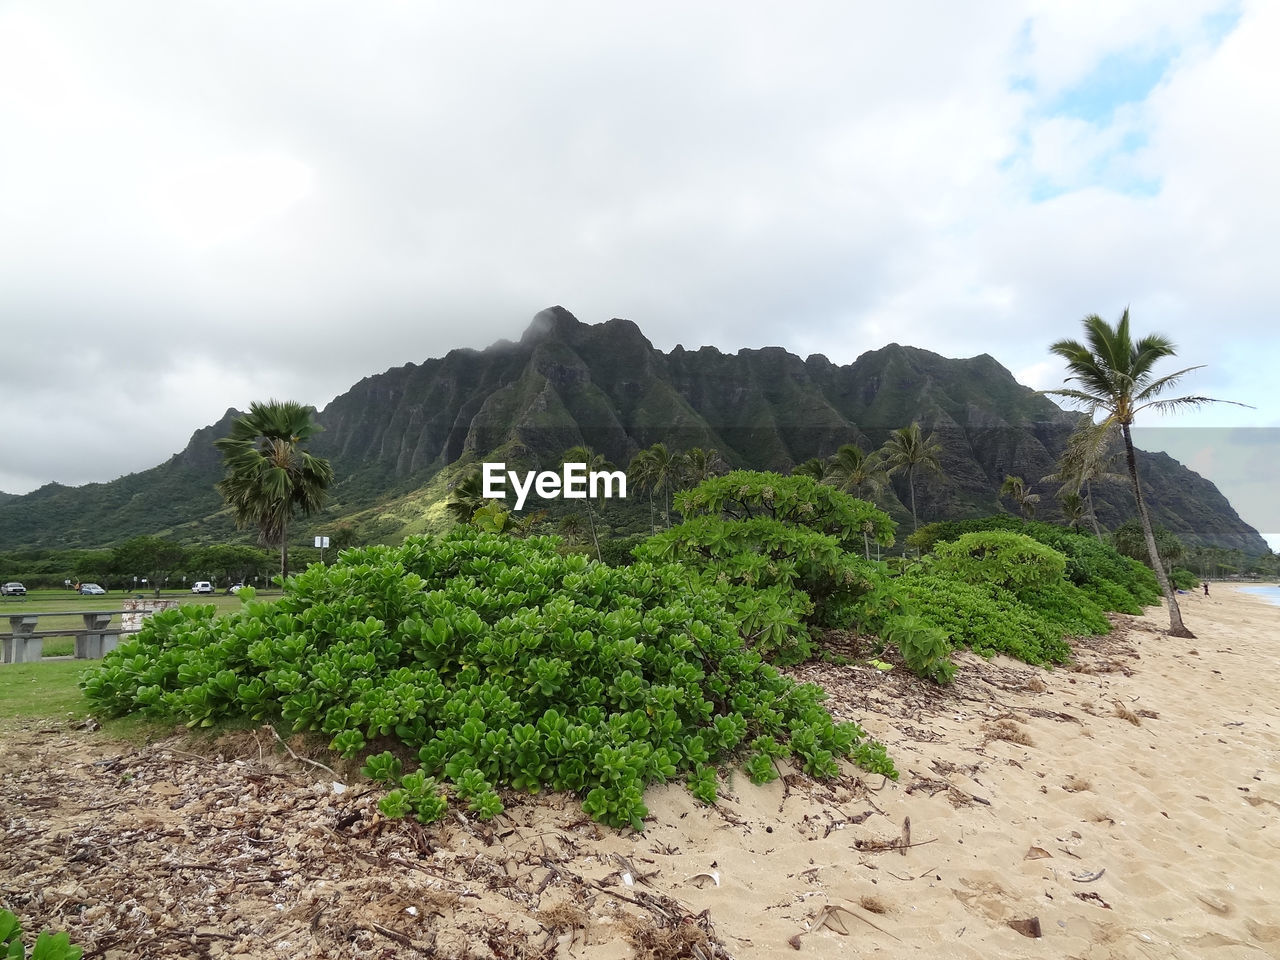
{"x":322,"y":543}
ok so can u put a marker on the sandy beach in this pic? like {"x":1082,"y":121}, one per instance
{"x":1126,"y":806}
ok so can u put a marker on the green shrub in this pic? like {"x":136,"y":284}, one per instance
{"x":780,"y":578}
{"x":988,"y":623}
{"x":779,"y":546}
{"x":499,"y":662}
{"x":1094,"y":566}
{"x":1001,"y":559}
{"x":925,"y":648}
{"x":1183,"y":579}
{"x":795,"y":500}
{"x":616,"y":551}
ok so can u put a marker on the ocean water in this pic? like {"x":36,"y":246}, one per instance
{"x":1269,"y":594}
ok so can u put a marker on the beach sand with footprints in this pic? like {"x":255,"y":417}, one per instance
{"x":1126,"y":806}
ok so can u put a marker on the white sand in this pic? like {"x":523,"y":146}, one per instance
{"x":1180,"y":809}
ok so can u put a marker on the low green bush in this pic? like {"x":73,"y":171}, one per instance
{"x":782,"y":549}
{"x":1094,"y":566}
{"x":1001,"y":559}
{"x":987,"y":623}
{"x":1183,"y":579}
{"x":499,"y":662}
{"x":617,"y":551}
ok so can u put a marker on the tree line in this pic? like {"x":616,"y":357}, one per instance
{"x":160,"y":563}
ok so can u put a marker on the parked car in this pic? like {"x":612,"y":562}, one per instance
{"x":91,"y":588}
{"x":13,"y":589}
{"x":202,"y":586}
{"x":235,"y":588}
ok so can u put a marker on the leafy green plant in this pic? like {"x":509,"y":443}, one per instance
{"x":1000,"y":558}
{"x":497,"y":662}
{"x":986,"y":622}
{"x":779,"y":547}
{"x":48,"y":946}
{"x":702,"y":784}
{"x":1116,"y":582}
{"x":926,"y":649}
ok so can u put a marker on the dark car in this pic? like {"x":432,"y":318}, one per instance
{"x":13,"y":589}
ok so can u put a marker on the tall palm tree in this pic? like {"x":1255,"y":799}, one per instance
{"x":698,"y":465}
{"x":1074,"y":508}
{"x":1115,"y":378}
{"x":642,"y":471}
{"x":269,"y":476}
{"x":595,"y":462}
{"x":855,"y":471}
{"x":1086,"y":460}
{"x":663,"y":467}
{"x":1017,"y":489}
{"x":908,"y":449}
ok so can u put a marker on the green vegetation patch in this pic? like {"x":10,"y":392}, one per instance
{"x":1113,"y":581}
{"x":50,"y":689}
{"x":499,"y":662}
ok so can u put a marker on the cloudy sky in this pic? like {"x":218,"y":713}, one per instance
{"x":208,"y":203}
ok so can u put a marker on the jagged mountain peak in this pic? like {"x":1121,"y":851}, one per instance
{"x":567,"y":382}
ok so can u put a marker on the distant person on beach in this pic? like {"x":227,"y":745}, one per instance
{"x":1206,"y":588}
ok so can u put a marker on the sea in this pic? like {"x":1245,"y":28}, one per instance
{"x":1269,"y":594}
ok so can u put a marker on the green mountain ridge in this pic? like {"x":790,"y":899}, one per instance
{"x":392,"y":435}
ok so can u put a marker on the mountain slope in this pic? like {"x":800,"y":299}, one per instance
{"x":566,"y":383}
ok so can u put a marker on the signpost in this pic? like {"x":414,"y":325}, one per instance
{"x":322,"y":544}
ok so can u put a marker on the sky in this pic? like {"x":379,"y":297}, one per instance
{"x":205,"y":203}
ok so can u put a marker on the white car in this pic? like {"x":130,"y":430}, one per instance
{"x":202,"y":586}
{"x":91,"y":589}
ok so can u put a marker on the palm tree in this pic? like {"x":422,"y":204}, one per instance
{"x":855,"y":471}
{"x":269,"y":476}
{"x":466,"y":498}
{"x":1017,"y":488}
{"x":1074,"y":508}
{"x":1086,"y":460}
{"x":907,"y":449}
{"x":1115,"y":377}
{"x":698,"y":465}
{"x":814,"y":467}
{"x":662,"y":467}
{"x":642,"y":471}
{"x":595,"y":462}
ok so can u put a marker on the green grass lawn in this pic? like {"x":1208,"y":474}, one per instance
{"x":50,"y":691}
{"x":43,"y":690}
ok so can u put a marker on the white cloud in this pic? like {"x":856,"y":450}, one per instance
{"x":286,"y":200}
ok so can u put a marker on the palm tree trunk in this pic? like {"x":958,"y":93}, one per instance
{"x":911,"y":483}
{"x":591,"y":520}
{"x":1093,"y":517}
{"x":1176,"y":627}
{"x":284,"y":551}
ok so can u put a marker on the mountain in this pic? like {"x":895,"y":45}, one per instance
{"x":567,"y":383}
